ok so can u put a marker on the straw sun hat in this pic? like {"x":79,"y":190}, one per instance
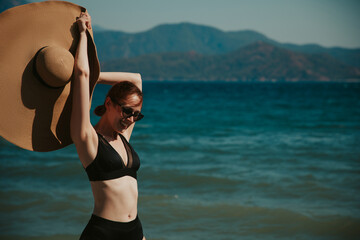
{"x":38,"y":42}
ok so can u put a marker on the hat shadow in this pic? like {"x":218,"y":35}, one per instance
{"x":48,"y":135}
{"x":35,"y":94}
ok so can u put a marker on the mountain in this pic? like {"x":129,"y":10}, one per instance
{"x":257,"y":61}
{"x":348,"y":56}
{"x":185,"y":37}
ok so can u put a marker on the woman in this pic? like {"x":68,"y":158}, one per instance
{"x":104,"y":149}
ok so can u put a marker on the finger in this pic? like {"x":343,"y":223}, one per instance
{"x":88,"y":25}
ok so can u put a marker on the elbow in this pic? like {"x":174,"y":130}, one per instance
{"x":138,"y":77}
{"x":138,"y":81}
{"x":81,"y":73}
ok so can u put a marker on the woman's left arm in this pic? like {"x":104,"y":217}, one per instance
{"x":112,"y":78}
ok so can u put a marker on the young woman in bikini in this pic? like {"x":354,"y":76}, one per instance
{"x":104,"y":149}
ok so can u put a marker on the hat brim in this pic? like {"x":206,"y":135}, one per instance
{"x":35,"y":116}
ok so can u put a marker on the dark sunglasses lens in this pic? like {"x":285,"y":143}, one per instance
{"x":139,"y":117}
{"x":127,"y":111}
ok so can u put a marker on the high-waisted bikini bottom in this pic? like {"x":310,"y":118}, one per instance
{"x":100,"y":228}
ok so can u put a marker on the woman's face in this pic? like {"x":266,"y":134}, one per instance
{"x":119,"y":114}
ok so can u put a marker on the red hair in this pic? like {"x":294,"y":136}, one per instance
{"x":119,"y":93}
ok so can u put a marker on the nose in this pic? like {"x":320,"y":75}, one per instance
{"x":131,"y":119}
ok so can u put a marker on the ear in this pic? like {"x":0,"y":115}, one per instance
{"x":108,"y":102}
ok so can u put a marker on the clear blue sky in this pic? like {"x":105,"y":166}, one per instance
{"x":325,"y":22}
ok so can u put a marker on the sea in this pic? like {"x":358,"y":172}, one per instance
{"x":219,"y":160}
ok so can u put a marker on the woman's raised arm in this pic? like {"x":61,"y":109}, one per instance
{"x":82,"y":132}
{"x":112,"y":78}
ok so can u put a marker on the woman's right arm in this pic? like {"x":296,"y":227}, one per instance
{"x":82,"y":132}
{"x":112,"y":78}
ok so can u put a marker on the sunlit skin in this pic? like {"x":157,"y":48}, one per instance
{"x":114,"y":199}
{"x":113,"y":120}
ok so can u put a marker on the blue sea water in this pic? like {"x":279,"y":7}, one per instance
{"x":219,"y":160}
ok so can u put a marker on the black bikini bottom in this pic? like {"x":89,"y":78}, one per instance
{"x":100,"y":228}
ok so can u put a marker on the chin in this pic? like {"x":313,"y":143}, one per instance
{"x":122,"y":129}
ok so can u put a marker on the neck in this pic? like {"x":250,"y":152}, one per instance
{"x":104,"y":128}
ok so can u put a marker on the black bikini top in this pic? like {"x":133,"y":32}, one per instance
{"x":108,"y":164}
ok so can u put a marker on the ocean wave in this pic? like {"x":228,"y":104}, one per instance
{"x":213,"y":219}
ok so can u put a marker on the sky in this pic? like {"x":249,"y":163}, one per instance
{"x":329,"y":23}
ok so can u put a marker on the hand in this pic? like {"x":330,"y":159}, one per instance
{"x":84,"y":21}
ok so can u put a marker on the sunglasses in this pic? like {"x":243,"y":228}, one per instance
{"x":129,"y":112}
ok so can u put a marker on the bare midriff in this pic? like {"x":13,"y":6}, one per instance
{"x":116,"y":199}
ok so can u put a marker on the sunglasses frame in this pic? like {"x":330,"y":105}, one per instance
{"x":136,"y":118}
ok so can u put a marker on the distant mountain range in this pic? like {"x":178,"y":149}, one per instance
{"x":185,"y":37}
{"x":191,"y":51}
{"x":257,"y":61}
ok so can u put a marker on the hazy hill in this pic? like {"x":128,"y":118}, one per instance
{"x":348,"y":56}
{"x":181,"y":37}
{"x":257,"y":61}
{"x":185,"y":37}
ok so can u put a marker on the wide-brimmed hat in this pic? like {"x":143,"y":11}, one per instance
{"x":38,"y":42}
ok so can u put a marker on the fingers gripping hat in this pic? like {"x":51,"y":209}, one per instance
{"x":38,"y":42}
